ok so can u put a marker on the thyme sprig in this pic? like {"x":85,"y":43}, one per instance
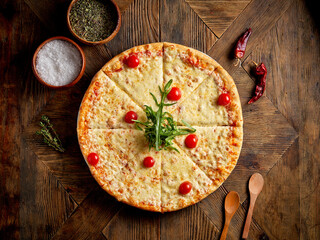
{"x":160,"y":128}
{"x":50,"y":136}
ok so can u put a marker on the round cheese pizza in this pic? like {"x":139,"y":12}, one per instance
{"x":118,"y":152}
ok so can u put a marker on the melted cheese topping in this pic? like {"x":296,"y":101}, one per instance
{"x":108,"y":105}
{"x":177,"y":67}
{"x":217,"y":150}
{"x":120,"y":169}
{"x":201,"y":108}
{"x":140,"y":81}
{"x":177,"y":168}
{"x":118,"y":89}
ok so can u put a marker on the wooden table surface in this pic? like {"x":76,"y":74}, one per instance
{"x":45,"y":194}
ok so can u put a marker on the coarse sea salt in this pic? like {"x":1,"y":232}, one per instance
{"x":58,"y":62}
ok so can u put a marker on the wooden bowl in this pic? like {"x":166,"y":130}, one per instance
{"x":111,"y":36}
{"x":63,"y":86}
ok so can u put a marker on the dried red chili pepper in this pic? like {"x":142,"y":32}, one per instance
{"x":241,"y":45}
{"x":261,"y":73}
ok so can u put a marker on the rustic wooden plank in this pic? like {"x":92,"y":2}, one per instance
{"x":263,"y":146}
{"x":308,"y":80}
{"x":260,"y":16}
{"x":69,"y":167}
{"x":218,"y":15}
{"x":279,"y":201}
{"x":9,"y":106}
{"x":213,"y":207}
{"x":123,"y":4}
{"x":46,"y":205}
{"x":140,"y":25}
{"x":294,"y":89}
{"x":188,"y":223}
{"x":132,"y":223}
{"x":90,"y":217}
{"x":184,"y":26}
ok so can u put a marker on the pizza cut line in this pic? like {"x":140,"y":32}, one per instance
{"x":118,"y":154}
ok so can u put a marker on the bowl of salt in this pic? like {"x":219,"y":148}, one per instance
{"x":58,"y":63}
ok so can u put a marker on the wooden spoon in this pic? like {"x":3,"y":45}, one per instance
{"x":231,"y":205}
{"x":255,"y":186}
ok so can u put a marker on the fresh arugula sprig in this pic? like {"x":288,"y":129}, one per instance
{"x":160,"y":128}
{"x":50,"y":136}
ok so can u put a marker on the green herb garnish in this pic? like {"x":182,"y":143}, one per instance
{"x":93,"y":20}
{"x":50,"y":135}
{"x":160,"y":128}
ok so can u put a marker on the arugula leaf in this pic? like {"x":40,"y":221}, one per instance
{"x":160,"y":129}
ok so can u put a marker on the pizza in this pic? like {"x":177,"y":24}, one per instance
{"x":202,"y":103}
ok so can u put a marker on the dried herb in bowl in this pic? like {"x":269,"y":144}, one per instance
{"x":93,"y":20}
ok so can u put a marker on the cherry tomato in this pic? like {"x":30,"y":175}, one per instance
{"x":130,"y":116}
{"x":148,"y":162}
{"x":191,"y":141}
{"x":185,"y":187}
{"x":224,"y":99}
{"x":174,"y":94}
{"x":132,"y":61}
{"x":93,"y":159}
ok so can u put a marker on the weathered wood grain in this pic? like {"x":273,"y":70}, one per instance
{"x":290,"y":199}
{"x":69,"y":167}
{"x":91,"y":217}
{"x":179,"y":225}
{"x":260,"y":16}
{"x":140,"y":25}
{"x":218,"y":15}
{"x":291,"y":51}
{"x":183,"y":26}
{"x":131,"y":223}
{"x":213,"y":207}
{"x":279,"y":200}
{"x":46,"y":205}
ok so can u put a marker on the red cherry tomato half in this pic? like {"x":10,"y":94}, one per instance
{"x":130,"y":116}
{"x":148,"y":162}
{"x":93,"y":159}
{"x":174,"y":94}
{"x":132,"y":61}
{"x":224,"y":99}
{"x":191,"y":141}
{"x":185,"y":187}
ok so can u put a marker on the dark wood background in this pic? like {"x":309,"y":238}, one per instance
{"x":45,"y":194}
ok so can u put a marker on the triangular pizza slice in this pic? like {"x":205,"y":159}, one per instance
{"x":105,"y":106}
{"x":138,"y":71}
{"x":208,"y":106}
{"x":186,"y":67}
{"x":216,"y":152}
{"x":182,"y":181}
{"x":121,"y":169}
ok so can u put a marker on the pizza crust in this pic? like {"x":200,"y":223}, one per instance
{"x":105,"y":105}
{"x":217,"y":151}
{"x":140,"y":81}
{"x":121,"y":148}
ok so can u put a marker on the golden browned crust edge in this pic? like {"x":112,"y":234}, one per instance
{"x":82,"y":137}
{"x":236,"y":143}
{"x":235,"y":104}
{"x":190,"y":203}
{"x":237,"y":140}
{"x":85,"y":103}
{"x":229,"y":84}
{"x":116,"y":62}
